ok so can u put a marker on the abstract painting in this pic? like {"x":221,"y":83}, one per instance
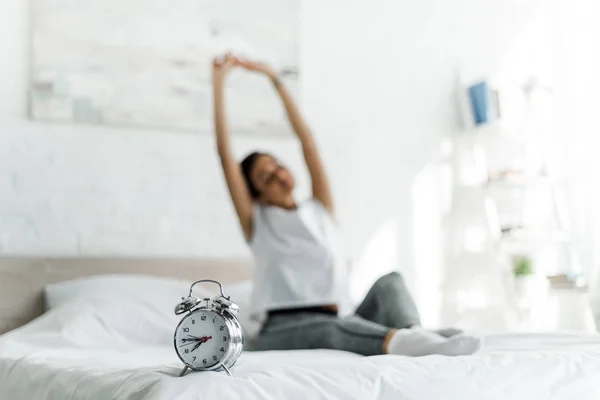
{"x":147,"y":63}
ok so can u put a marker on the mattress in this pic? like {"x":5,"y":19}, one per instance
{"x":45,"y":365}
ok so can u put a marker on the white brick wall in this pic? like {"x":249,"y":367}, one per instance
{"x":99,"y":192}
{"x":378,"y":84}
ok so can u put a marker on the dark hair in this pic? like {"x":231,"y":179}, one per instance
{"x":247,"y":164}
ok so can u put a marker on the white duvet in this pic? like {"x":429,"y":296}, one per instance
{"x":73,"y":353}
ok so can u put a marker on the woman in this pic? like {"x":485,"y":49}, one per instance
{"x":300,"y":283}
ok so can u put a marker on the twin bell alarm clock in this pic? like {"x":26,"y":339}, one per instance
{"x":209,"y":337}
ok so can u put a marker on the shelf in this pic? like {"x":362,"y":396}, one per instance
{"x":567,"y":282}
{"x":525,"y":235}
{"x":514,"y":183}
{"x":494,"y":127}
{"x":521,"y":183}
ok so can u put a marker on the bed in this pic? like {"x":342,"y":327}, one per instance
{"x":118,"y":347}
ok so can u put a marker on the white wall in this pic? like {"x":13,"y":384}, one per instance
{"x":395,"y":65}
{"x":379,"y":82}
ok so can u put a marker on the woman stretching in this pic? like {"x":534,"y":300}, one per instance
{"x":300,"y":281}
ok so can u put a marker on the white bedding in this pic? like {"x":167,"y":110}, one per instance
{"x":517,"y":367}
{"x":74,"y":352}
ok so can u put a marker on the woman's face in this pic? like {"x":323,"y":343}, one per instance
{"x":274,"y":182}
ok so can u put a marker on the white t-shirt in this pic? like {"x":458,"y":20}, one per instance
{"x":299,"y":259}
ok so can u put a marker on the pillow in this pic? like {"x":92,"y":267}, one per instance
{"x":119,"y":309}
{"x":96,"y":323}
{"x":135,"y":309}
{"x":134,"y":287}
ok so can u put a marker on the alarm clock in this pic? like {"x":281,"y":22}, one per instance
{"x":209,"y":337}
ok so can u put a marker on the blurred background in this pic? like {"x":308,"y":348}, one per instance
{"x":461,"y":139}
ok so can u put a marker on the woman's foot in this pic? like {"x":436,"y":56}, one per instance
{"x":448,"y":332}
{"x":459,"y":346}
{"x":444,"y":332}
{"x":420,"y":342}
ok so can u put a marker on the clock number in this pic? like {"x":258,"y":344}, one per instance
{"x":214,"y":358}
{"x":186,"y":351}
{"x":224,"y":338}
{"x":221,"y":328}
{"x":203,"y":318}
{"x":193,"y":322}
{"x":186,"y":330}
{"x":204,"y":361}
{"x":222,"y":349}
{"x":194,"y":359}
{"x":214,"y":320}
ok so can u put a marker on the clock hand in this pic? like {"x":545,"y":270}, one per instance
{"x":198,"y":341}
{"x":197,"y":345}
{"x":187,"y":344}
{"x":195,"y":339}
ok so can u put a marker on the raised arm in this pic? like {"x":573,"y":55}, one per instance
{"x":240,"y":195}
{"x":320,"y":184}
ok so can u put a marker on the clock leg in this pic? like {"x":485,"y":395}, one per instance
{"x":183,"y":371}
{"x":226,"y":370}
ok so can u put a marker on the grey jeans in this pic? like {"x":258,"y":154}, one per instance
{"x":388,"y":305}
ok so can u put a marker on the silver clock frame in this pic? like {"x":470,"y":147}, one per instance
{"x":222,"y":306}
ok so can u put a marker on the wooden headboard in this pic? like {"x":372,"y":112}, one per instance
{"x":22,"y":280}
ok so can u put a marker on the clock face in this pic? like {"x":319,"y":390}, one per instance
{"x":202,"y":339}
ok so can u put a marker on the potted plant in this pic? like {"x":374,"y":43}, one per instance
{"x":523,"y":272}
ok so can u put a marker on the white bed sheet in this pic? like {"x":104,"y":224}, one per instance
{"x":41,"y":363}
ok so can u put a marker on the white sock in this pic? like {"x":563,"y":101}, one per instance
{"x":420,"y":342}
{"x":445,"y":332}
{"x":448,"y":332}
